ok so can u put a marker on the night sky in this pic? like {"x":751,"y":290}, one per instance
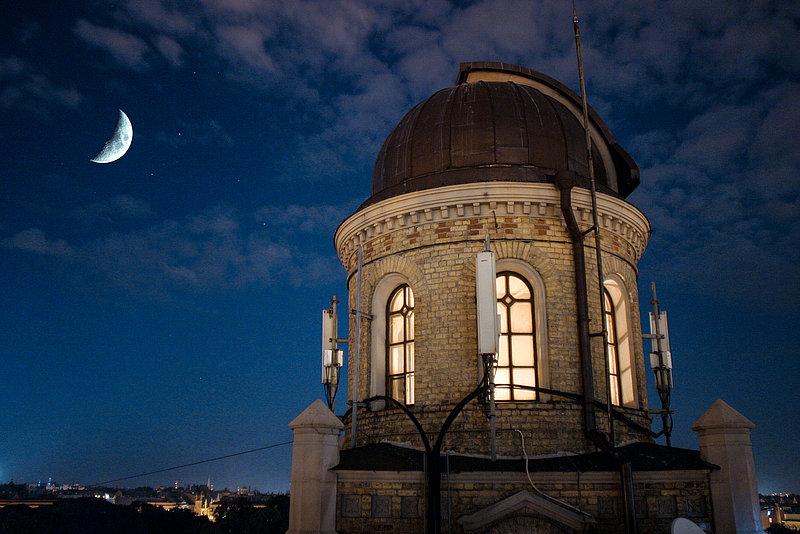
{"x":165,"y":308}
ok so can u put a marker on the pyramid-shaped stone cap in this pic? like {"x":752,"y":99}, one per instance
{"x":721,"y":415}
{"x":317,"y":415}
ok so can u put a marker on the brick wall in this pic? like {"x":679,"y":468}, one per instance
{"x":394,"y":502}
{"x":436,"y":254}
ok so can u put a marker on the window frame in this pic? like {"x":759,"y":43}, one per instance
{"x":505,"y":309}
{"x":614,"y":286}
{"x":612,"y":348}
{"x":407,"y":375}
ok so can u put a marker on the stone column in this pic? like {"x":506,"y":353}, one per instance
{"x":312,"y":507}
{"x":725,"y":441}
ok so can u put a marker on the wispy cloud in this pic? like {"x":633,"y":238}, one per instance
{"x":120,"y":207}
{"x":125,"y":47}
{"x":34,"y":240}
{"x":32,"y":89}
{"x":217,"y":249}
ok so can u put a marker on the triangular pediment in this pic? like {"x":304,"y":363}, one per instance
{"x":525,"y":503}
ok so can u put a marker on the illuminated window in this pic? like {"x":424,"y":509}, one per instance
{"x":516,"y":357}
{"x":612,"y":350}
{"x":400,"y":345}
{"x":618,"y":329}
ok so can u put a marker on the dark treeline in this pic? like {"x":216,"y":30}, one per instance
{"x":95,"y":516}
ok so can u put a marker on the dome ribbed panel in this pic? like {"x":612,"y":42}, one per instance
{"x":430,"y":149}
{"x":511,"y":132}
{"x":471,"y":126}
{"x":547,"y":146}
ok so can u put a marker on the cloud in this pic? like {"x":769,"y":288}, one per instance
{"x":31,"y":89}
{"x":162,"y":15}
{"x":170,"y":49}
{"x":123,"y":207}
{"x":34,"y":240}
{"x":219,"y":249}
{"x":723,"y":196}
{"x":124,"y":47}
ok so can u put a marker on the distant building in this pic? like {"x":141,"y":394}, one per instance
{"x":567,"y":446}
{"x":782,"y":509}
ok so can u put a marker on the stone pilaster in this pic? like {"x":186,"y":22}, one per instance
{"x":312,"y":508}
{"x":725,"y":441}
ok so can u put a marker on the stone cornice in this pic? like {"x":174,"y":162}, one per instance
{"x":505,"y":199}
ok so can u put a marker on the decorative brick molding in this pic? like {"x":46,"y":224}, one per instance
{"x":486,"y":200}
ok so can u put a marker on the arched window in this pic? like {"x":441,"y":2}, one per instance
{"x":400,"y":345}
{"x":516,"y":358}
{"x":612,"y":349}
{"x":618,"y":342}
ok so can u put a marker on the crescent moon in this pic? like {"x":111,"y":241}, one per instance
{"x":119,"y":143}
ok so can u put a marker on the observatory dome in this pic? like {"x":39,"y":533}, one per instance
{"x":499,"y":123}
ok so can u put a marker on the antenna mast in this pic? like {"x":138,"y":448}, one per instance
{"x":331,"y":355}
{"x":661,"y":363}
{"x":595,"y":220}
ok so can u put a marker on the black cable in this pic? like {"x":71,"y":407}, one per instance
{"x":191,"y":464}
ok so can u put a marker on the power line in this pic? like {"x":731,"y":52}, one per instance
{"x":191,"y":464}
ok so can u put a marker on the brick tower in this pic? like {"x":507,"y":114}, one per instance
{"x":485,"y":158}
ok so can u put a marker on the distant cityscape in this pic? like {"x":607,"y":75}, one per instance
{"x":780,"y":509}
{"x":200,"y":499}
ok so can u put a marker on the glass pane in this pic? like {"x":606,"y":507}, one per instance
{"x":410,"y":326}
{"x":614,"y":392}
{"x":502,"y":351}
{"x":610,"y":334}
{"x":397,"y":301}
{"x":410,"y":388}
{"x":501,"y":393}
{"x":409,"y":297}
{"x":398,"y":391}
{"x":395,"y":328}
{"x":522,"y":350}
{"x":409,"y":357}
{"x":524,"y":377}
{"x":521,"y":317}
{"x":502,"y":311}
{"x":501,"y":377}
{"x":500,"y":284}
{"x":518,"y":288}
{"x":396,"y":360}
{"x":613,"y":362}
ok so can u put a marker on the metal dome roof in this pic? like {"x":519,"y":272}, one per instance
{"x":489,"y":130}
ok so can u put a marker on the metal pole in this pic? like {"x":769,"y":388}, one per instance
{"x":355,"y":352}
{"x":595,"y":221}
